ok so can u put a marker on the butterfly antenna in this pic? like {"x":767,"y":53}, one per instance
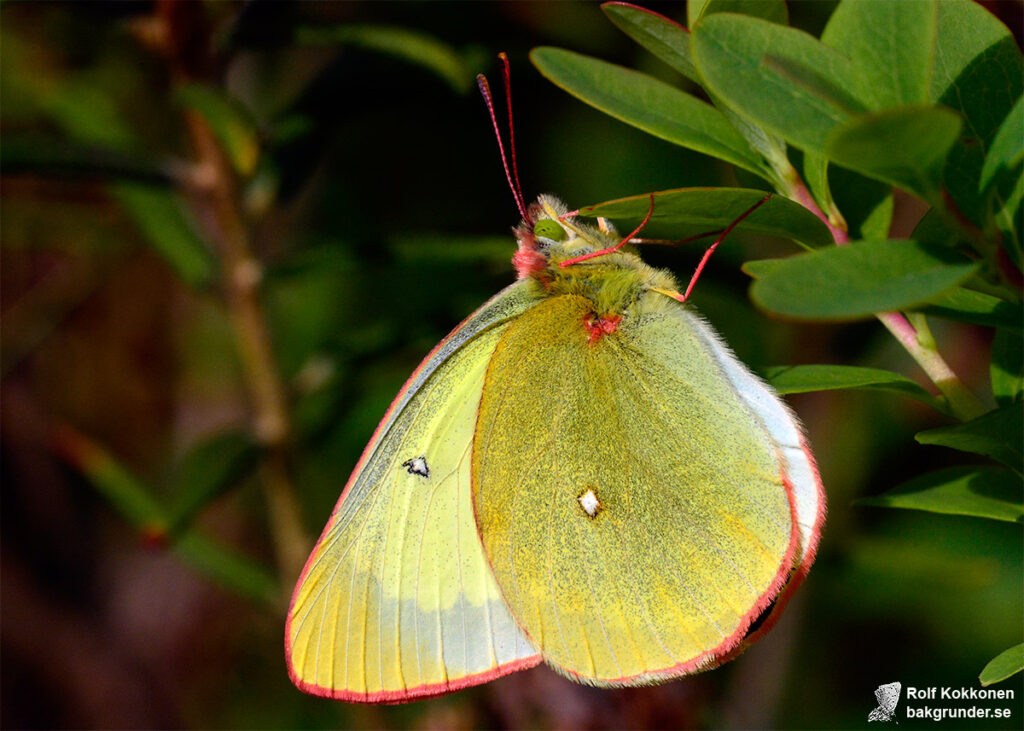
{"x":711,"y":250}
{"x":612,"y":249}
{"x":507,"y":77}
{"x":513,"y":183}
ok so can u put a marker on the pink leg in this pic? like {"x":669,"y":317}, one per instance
{"x":711,"y":249}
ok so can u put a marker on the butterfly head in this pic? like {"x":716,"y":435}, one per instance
{"x":550,"y":234}
{"x":551,"y":237}
{"x":562,"y":254}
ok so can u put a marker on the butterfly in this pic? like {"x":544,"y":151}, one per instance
{"x":888,"y":696}
{"x":580,"y":473}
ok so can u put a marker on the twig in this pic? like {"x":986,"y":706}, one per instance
{"x":241,"y":276}
{"x":918,"y":342}
{"x":215,"y":187}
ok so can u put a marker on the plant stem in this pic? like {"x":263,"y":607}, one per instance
{"x":241,"y":275}
{"x":215,"y":189}
{"x":918,"y":343}
{"x":803,"y":196}
{"x":922,"y":348}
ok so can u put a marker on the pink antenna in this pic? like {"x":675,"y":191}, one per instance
{"x":611,"y":249}
{"x":711,"y":249}
{"x":507,"y":76}
{"x":512,"y":175}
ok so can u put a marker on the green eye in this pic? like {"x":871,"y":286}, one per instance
{"x":549,"y":229}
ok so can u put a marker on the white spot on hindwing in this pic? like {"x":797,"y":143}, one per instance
{"x":589,"y":502}
{"x":417,"y":466}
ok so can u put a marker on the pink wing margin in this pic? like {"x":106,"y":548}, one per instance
{"x":507,"y":304}
{"x":800,"y":474}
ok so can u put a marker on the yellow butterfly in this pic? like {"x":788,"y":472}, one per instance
{"x":580,"y":473}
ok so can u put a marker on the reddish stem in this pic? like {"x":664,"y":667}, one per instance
{"x":964,"y":404}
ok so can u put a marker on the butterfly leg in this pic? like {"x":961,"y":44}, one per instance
{"x":707,"y":254}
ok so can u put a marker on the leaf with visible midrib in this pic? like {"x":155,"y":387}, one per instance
{"x":713,"y":209}
{"x":648,"y":104}
{"x":781,"y":78}
{"x":977,"y":308}
{"x":904,"y":146}
{"x":998,"y":434}
{"x":662,"y":36}
{"x":890,"y":44}
{"x":858,"y":280}
{"x":809,"y":378}
{"x":980,"y":492}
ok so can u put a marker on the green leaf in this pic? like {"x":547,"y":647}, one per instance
{"x":670,"y":42}
{"x":306,"y":296}
{"x":998,"y":434}
{"x":858,"y":280}
{"x":1009,"y":218}
{"x":770,"y":147}
{"x":419,"y":49}
{"x":1004,"y":665}
{"x":807,"y":378}
{"x":970,"y":40}
{"x":648,"y":104}
{"x":136,"y":503}
{"x":31,"y":153}
{"x":773,"y":10}
{"x":128,"y":495}
{"x":1007,"y":151}
{"x":783,"y":79}
{"x":207,"y":471}
{"x":982,"y":492}
{"x":760,"y":268}
{"x":168,"y":230}
{"x":966,"y":305}
{"x":867,"y":204}
{"x":891,"y":46}
{"x":87,"y":112}
{"x":934,"y":228}
{"x":876,"y":224}
{"x":90,"y":115}
{"x":665,"y":38}
{"x":228,"y":568}
{"x":713,"y":209}
{"x":232,"y":125}
{"x":816,"y":175}
{"x":979,"y":74}
{"x":1007,"y":369}
{"x":904,"y":146}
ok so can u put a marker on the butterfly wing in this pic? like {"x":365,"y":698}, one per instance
{"x":396,"y":601}
{"x":890,"y":697}
{"x":800,"y":467}
{"x":636,"y":516}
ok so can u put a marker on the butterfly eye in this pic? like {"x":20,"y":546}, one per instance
{"x":549,"y":229}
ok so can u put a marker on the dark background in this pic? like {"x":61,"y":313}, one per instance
{"x":382,"y":217}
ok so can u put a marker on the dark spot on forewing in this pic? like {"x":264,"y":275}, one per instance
{"x":417,"y":466}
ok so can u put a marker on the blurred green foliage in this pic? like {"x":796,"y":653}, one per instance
{"x":368,"y":183}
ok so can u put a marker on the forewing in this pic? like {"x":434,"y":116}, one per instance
{"x":396,"y":601}
{"x":635,"y":515}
